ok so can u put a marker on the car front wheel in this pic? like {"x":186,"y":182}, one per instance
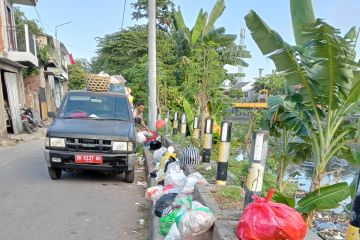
{"x":129,"y":176}
{"x":54,"y":173}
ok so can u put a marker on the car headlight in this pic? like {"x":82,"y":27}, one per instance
{"x":47,"y":142}
{"x":122,"y":146}
{"x":57,"y":142}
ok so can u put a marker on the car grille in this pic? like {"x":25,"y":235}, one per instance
{"x":88,"y":145}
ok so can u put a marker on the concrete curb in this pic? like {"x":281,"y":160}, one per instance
{"x":154,"y":221}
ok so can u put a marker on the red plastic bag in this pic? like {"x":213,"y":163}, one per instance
{"x":265,"y":220}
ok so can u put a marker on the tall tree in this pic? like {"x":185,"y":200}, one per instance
{"x":163,"y":12}
{"x":199,"y":47}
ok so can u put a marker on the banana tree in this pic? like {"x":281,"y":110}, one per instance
{"x":202,"y":40}
{"x":285,"y":125}
{"x":326,"y":83}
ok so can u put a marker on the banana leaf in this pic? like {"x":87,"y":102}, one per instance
{"x":197,"y":30}
{"x":324,"y":198}
{"x":189,"y":114}
{"x":216,"y":12}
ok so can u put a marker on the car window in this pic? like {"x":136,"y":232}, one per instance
{"x":95,"y":107}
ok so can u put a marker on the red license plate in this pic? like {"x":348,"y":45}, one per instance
{"x":94,"y":159}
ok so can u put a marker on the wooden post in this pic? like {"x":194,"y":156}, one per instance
{"x":255,"y":177}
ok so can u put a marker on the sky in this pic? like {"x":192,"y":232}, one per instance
{"x":97,"y":18}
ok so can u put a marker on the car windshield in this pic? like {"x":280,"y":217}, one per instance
{"x":98,"y":107}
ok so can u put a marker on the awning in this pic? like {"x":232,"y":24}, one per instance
{"x":12,"y":63}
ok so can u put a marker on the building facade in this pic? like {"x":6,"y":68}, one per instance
{"x":17,"y":51}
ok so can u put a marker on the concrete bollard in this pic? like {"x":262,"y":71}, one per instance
{"x":175,"y":124}
{"x":207,"y":140}
{"x":167,"y":115}
{"x":196,"y":129}
{"x":183,"y":127}
{"x":255,"y":177}
{"x":224,"y":153}
{"x":353,"y":229}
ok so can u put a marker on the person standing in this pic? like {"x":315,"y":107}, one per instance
{"x":139,"y":117}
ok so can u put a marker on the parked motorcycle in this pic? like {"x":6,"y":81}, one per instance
{"x":29,"y":123}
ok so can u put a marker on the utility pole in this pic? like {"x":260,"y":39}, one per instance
{"x":152,"y":112}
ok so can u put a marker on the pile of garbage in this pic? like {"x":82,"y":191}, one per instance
{"x":180,"y":216}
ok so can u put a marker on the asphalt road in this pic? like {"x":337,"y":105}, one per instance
{"x":78,"y":206}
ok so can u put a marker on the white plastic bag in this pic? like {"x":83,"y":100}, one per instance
{"x":173,"y":234}
{"x":140,"y":138}
{"x":175,"y":177}
{"x":191,"y":181}
{"x":194,"y":218}
{"x":159,"y":153}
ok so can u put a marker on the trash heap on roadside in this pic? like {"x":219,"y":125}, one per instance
{"x":180,"y":216}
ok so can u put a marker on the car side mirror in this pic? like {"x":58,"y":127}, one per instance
{"x":51,"y":115}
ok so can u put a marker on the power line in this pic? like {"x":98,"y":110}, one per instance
{"x":42,"y":22}
{"x":123,"y":15}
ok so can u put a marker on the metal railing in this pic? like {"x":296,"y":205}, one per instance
{"x":20,"y":39}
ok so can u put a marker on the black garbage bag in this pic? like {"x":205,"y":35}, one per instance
{"x":164,"y":202}
{"x":155,"y":145}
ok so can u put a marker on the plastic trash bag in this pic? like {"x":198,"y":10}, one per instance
{"x":191,"y":181}
{"x":194,"y":219}
{"x":164,"y":202}
{"x":153,"y":192}
{"x":175,"y":177}
{"x":140,"y":138}
{"x":158,"y":154}
{"x":167,"y":221}
{"x":171,"y":160}
{"x":263,"y":220}
{"x":173,"y":234}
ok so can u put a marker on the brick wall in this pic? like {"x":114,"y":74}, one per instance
{"x":31,"y":87}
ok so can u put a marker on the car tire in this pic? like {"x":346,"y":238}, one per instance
{"x":129,"y":176}
{"x":54,"y":173}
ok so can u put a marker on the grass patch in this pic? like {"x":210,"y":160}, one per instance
{"x":229,"y":197}
{"x":208,"y":174}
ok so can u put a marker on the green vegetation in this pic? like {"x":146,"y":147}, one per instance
{"x":323,"y":70}
{"x":76,"y":77}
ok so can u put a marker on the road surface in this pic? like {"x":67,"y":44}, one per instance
{"x":78,"y":206}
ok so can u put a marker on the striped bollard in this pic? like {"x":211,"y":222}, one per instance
{"x":255,"y":177}
{"x":196,"y":127}
{"x":175,"y":124}
{"x":352,"y":232}
{"x":183,"y":126}
{"x":207,"y":140}
{"x":224,"y":153}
